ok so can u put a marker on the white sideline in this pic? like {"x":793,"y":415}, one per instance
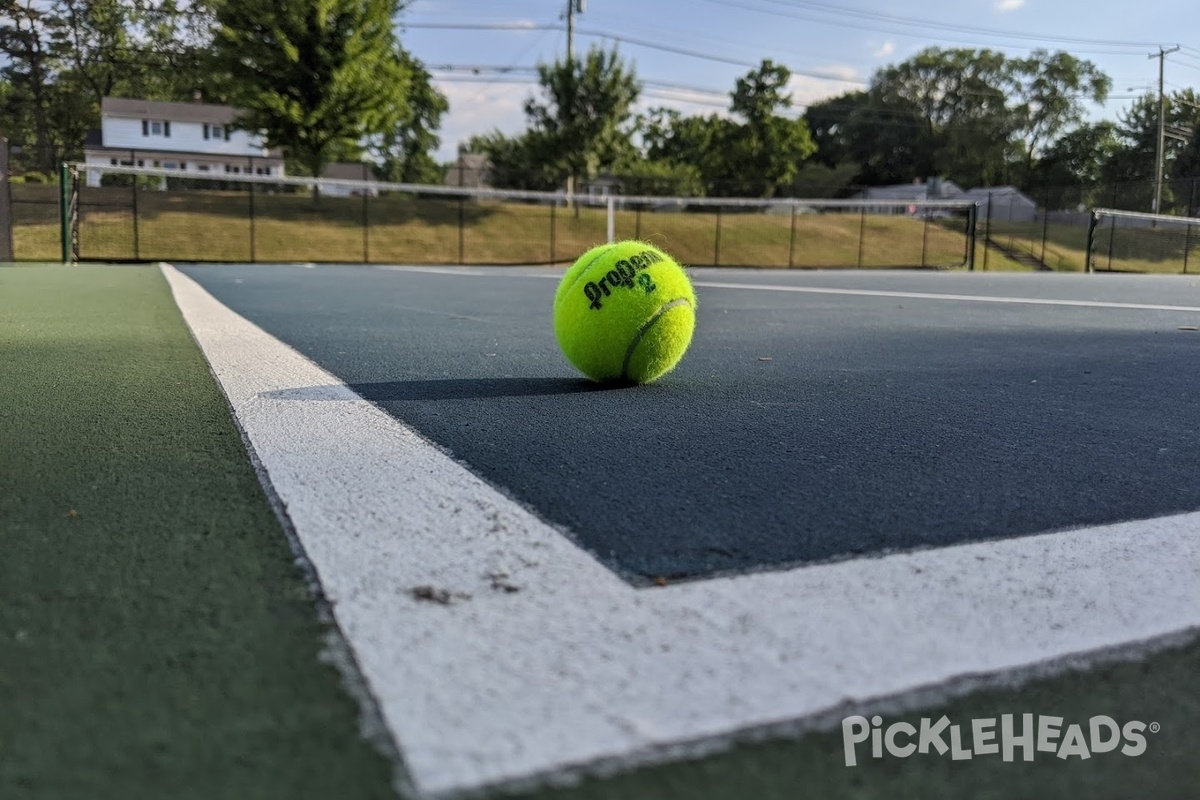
{"x":577,"y":665}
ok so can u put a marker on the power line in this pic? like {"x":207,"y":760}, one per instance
{"x":637,"y":42}
{"x":923,"y":24}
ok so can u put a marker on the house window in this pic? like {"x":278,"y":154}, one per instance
{"x":112,"y":161}
{"x":202,"y":167}
{"x":156,"y":127}
{"x":215,"y":132}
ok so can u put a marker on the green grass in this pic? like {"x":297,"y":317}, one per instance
{"x":156,"y":639}
{"x":217,"y":226}
{"x":1064,"y":247}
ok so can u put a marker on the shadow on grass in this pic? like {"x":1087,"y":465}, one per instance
{"x":445,"y":389}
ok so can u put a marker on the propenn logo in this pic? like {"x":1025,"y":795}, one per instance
{"x":982,"y":738}
{"x":625,"y":273}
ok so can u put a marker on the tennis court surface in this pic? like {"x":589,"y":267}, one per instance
{"x":910,"y":495}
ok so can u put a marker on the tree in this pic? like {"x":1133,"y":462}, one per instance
{"x":757,"y":154}
{"x":404,"y":153}
{"x":515,"y":161}
{"x":318,"y":77}
{"x":582,"y":121}
{"x":1130,"y":170}
{"x":827,"y":120}
{"x":765,"y":153}
{"x":1071,"y":169}
{"x":961,"y":96}
{"x":1050,"y":93}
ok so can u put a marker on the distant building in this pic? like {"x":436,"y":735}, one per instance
{"x":470,"y":170}
{"x":601,"y":186}
{"x":1003,"y":204}
{"x":933,"y":189}
{"x":349,"y":171}
{"x":190,"y":137}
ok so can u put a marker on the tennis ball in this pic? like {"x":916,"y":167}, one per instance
{"x":624,"y":311}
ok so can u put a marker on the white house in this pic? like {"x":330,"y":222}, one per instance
{"x":190,"y":137}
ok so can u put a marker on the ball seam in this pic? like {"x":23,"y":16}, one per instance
{"x":646,"y":326}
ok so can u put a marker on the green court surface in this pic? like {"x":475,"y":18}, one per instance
{"x":157,"y":639}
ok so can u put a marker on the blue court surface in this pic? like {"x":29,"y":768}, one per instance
{"x":855,"y":485}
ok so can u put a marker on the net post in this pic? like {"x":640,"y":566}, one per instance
{"x":553,"y":228}
{"x":612,"y":219}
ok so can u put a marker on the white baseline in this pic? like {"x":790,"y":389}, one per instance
{"x":577,"y":666}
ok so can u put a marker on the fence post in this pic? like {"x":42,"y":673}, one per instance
{"x":972,"y":222}
{"x":862,"y":231}
{"x":987,"y":233}
{"x":612,"y":219}
{"x":462,"y":225}
{"x":1091,"y":243}
{"x":1187,"y":245}
{"x":792,"y":239}
{"x":137,"y":245}
{"x":717,"y":244}
{"x":253,"y":225}
{"x":366,"y":216}
{"x":925,"y":238}
{"x":553,"y":227}
{"x":1045,"y":221}
{"x":64,"y":213}
{"x":6,"y":213}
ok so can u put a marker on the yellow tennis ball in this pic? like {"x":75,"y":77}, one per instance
{"x":624,"y":311}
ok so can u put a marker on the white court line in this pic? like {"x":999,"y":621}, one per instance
{"x":774,"y":287}
{"x":577,"y":665}
{"x":971,"y":298}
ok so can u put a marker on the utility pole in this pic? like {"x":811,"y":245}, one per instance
{"x":573,"y":7}
{"x":1161,"y":55}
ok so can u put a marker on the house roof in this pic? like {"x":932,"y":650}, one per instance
{"x":984,"y":192}
{"x":159,"y":109}
{"x":348,"y":171}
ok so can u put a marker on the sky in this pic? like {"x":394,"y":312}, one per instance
{"x":483,"y":53}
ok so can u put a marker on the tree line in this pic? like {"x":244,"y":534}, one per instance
{"x":974,"y":116}
{"x":329,"y":80}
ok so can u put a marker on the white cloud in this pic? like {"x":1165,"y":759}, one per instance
{"x":887,"y":48}
{"x":478,"y":108}
{"x":806,"y":90}
{"x":1004,"y":6}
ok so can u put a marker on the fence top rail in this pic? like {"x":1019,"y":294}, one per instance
{"x":1116,"y":212}
{"x":518,"y":194}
